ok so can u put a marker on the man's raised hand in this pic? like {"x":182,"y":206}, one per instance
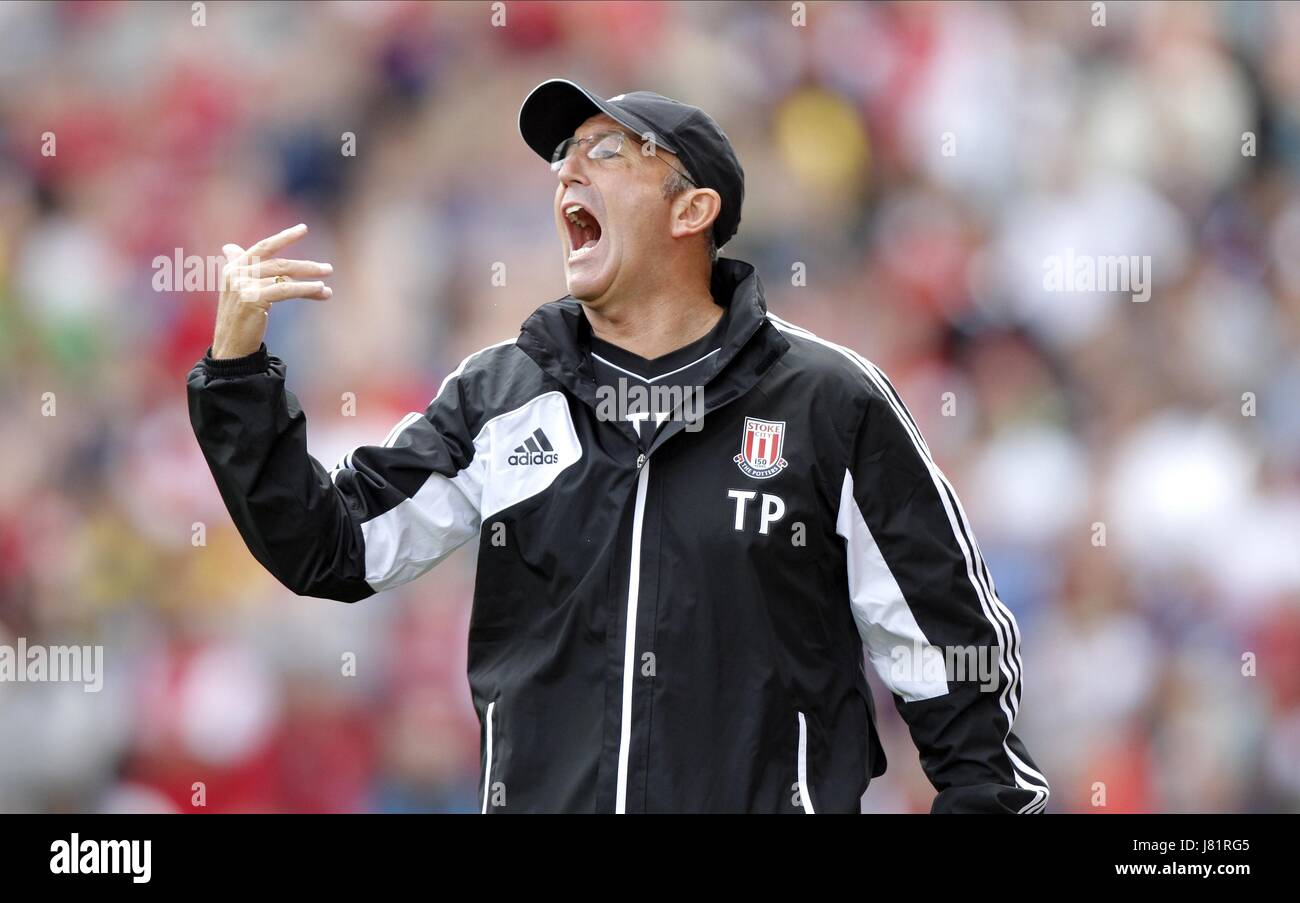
{"x":249,"y":287}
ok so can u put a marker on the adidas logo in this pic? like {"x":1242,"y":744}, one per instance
{"x":537,"y":449}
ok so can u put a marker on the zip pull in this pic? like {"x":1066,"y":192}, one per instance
{"x":640,"y":461}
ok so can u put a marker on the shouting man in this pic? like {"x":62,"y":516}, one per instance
{"x":694,"y":519}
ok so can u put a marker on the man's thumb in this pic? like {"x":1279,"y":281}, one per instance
{"x":232,"y":252}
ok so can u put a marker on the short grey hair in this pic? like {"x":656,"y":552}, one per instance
{"x":674,"y":185}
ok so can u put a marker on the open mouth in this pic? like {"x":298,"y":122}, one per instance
{"x":584,"y":230}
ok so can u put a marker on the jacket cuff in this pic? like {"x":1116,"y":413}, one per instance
{"x":249,"y":365}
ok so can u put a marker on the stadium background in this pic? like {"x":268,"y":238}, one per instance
{"x":1072,"y":409}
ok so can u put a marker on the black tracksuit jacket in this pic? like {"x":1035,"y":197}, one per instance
{"x":678,"y":627}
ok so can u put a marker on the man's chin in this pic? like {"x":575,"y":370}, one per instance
{"x":589,"y":276}
{"x":584,"y":288}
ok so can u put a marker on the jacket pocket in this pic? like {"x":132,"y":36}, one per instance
{"x":489,"y":725}
{"x":805,"y":795}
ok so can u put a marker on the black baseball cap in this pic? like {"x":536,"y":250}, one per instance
{"x":557,"y":106}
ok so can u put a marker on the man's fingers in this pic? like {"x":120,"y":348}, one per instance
{"x":268,"y":246}
{"x":252,"y":273}
{"x":282,"y":291}
{"x":296,"y":269}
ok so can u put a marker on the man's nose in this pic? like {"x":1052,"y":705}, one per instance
{"x":572,"y":169}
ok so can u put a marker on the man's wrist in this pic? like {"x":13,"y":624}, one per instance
{"x":248,"y":365}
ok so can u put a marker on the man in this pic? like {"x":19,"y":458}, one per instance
{"x":676,"y":587}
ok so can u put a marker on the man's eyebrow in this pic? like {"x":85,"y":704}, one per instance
{"x":608,"y":130}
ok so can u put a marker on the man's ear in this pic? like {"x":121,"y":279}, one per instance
{"x":694,"y":211}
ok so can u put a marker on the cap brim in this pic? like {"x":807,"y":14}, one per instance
{"x":555,"y":108}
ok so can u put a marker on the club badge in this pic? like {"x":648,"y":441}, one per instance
{"x":761,"y":445}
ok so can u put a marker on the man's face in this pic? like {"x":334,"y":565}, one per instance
{"x":622,"y":226}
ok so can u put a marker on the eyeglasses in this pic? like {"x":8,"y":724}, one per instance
{"x":603,"y":146}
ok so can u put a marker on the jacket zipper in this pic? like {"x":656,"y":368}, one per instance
{"x":487,"y":764}
{"x":804,"y":796}
{"x":629,"y":639}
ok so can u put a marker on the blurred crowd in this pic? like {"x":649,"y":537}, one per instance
{"x":1132,"y":469}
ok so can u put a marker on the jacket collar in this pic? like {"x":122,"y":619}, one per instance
{"x":556,"y":337}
